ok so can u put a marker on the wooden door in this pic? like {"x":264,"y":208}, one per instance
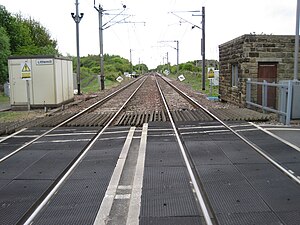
{"x":268,"y":72}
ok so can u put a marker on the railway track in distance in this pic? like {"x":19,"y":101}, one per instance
{"x":146,"y":107}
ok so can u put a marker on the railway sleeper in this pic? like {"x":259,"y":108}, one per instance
{"x":139,"y":118}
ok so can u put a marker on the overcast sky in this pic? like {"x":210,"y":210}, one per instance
{"x":225,"y":20}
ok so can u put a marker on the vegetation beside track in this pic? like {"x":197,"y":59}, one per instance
{"x":194,"y":80}
{"x":3,"y":98}
{"x":14,"y":116}
{"x":192,"y":72}
{"x":114,"y":66}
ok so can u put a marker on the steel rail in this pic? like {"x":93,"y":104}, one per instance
{"x":14,"y":134}
{"x":68,"y":120}
{"x":70,"y":170}
{"x":252,"y":145}
{"x":187,"y":162}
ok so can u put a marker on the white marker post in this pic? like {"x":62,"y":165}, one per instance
{"x":211,"y":76}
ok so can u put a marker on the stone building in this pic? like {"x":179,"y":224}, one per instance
{"x":258,"y":57}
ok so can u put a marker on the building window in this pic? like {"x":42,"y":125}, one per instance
{"x":234,"y":75}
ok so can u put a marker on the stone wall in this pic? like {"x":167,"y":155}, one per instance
{"x":247,"y":51}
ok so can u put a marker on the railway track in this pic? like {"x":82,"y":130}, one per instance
{"x":81,"y":151}
{"x":223,"y":124}
{"x":219,"y":130}
{"x":145,"y":107}
{"x":53,"y":144}
{"x":171,"y":102}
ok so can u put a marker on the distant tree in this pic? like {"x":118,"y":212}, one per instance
{"x":113,"y":63}
{"x":109,"y":68}
{"x":95,"y":70}
{"x":90,"y":61}
{"x":35,"y":50}
{"x":18,"y":33}
{"x":173,"y":69}
{"x":40,"y":35}
{"x":21,"y":36}
{"x":4,"y":53}
{"x":162,"y":68}
{"x":38,"y":40}
{"x":26,"y":36}
{"x":187,"y":66}
{"x":121,"y":64}
{"x":140,"y":68}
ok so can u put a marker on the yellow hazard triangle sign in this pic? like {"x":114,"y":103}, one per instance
{"x":25,"y":70}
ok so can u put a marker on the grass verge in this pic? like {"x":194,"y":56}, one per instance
{"x":3,"y":98}
{"x":95,"y":87}
{"x":195,"y":82}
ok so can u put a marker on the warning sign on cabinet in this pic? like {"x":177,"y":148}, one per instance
{"x":25,"y":70}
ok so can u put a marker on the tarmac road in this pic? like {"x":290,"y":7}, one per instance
{"x":289,"y":134}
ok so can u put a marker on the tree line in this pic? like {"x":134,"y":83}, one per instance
{"x":22,"y":36}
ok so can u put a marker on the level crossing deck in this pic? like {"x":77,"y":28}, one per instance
{"x":239,"y":184}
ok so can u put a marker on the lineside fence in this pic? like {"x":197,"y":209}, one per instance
{"x":258,"y":95}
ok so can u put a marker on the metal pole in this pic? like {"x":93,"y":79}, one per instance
{"x":177,"y":56}
{"x":210,"y":86}
{"x":101,"y":48}
{"x":131,"y":66}
{"x":289,"y":103}
{"x":100,"y":15}
{"x":264,"y":95}
{"x":297,"y":42}
{"x":248,"y":92}
{"x":77,"y":20}
{"x":139,"y":65}
{"x":101,"y":28}
{"x":77,"y":47}
{"x":28,"y":94}
{"x":167,"y":55}
{"x":203,"y":48}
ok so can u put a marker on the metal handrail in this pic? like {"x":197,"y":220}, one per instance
{"x":284,"y":110}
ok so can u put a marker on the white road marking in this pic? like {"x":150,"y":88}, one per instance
{"x":277,"y":137}
{"x":103,"y":213}
{"x":124,"y":187}
{"x":135,"y":201}
{"x":12,"y":135}
{"x":124,"y":196}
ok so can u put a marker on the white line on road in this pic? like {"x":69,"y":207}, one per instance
{"x":103,"y":213}
{"x":277,"y":137}
{"x":135,"y":201}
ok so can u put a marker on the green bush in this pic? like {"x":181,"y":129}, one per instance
{"x":112,"y":76}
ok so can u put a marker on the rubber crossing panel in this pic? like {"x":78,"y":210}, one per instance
{"x":80,"y":197}
{"x":246,"y":189}
{"x":167,"y":196}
